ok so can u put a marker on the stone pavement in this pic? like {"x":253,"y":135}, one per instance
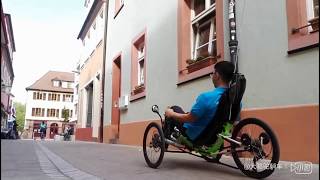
{"x":87,"y":160}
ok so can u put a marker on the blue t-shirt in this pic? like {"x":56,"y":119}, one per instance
{"x":203,"y":110}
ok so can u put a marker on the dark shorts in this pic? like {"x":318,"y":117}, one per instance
{"x":170,"y":123}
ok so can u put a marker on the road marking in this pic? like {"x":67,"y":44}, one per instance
{"x":64,"y":167}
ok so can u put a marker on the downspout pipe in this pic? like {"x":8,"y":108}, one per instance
{"x":233,"y":42}
{"x":103,"y":69}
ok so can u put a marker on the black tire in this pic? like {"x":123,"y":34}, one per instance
{"x":275,"y":149}
{"x":157,"y":143}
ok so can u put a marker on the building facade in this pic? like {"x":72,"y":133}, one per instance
{"x":76,"y":94}
{"x":50,"y":99}
{"x":90,"y":72}
{"x":7,"y":74}
{"x":151,"y":44}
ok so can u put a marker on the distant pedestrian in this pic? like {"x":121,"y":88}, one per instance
{"x":14,"y":130}
{"x":43,"y":129}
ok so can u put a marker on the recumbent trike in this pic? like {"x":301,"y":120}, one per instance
{"x":252,"y":143}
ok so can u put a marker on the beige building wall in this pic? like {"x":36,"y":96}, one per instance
{"x":91,"y":73}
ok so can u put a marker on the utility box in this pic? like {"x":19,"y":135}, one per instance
{"x":123,"y":102}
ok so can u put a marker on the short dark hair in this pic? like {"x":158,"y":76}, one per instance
{"x":225,"y":70}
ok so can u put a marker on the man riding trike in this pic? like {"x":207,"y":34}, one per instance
{"x":213,"y":128}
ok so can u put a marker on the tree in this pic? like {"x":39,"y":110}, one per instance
{"x":20,"y":115}
{"x":65,"y":114}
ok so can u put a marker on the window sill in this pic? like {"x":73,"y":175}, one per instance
{"x":137,"y":96}
{"x":184,"y":78}
{"x":303,"y":42}
{"x":118,"y":11}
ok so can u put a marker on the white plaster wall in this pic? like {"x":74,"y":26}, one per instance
{"x":31,"y":103}
{"x":96,"y":36}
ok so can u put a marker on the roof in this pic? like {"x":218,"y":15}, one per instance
{"x":45,"y":82}
{"x":90,"y":17}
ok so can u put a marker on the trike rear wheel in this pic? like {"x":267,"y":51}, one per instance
{"x":259,"y":154}
{"x":153,"y":145}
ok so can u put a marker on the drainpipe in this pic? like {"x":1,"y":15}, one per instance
{"x":106,"y":9}
{"x":233,"y":43}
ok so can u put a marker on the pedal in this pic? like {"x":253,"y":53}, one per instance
{"x":173,"y":138}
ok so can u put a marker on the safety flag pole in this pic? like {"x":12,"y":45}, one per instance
{"x":233,"y":43}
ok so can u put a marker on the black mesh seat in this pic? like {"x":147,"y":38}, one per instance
{"x":230,"y":99}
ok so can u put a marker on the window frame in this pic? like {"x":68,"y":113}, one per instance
{"x":196,"y":46}
{"x":185,"y":38}
{"x":37,"y":112}
{"x":296,"y":18}
{"x":64,"y":84}
{"x":137,"y":42}
{"x":54,"y":97}
{"x":55,"y":83}
{"x":141,"y":58}
{"x":39,"y":95}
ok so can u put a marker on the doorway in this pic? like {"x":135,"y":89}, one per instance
{"x":53,"y":130}
{"x":89,"y":90}
{"x":116,"y":92}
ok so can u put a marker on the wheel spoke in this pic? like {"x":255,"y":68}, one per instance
{"x":256,"y":155}
{"x":153,"y":147}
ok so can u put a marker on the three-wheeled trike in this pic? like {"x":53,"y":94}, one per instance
{"x":251,"y":142}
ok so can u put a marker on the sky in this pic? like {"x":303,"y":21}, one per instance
{"x":45,"y":34}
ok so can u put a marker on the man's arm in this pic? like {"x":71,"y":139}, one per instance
{"x":179,"y":117}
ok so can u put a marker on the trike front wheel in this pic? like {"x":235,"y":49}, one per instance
{"x":153,"y":145}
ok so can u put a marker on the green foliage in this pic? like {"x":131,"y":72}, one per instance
{"x":20,"y":114}
{"x":65,"y":114}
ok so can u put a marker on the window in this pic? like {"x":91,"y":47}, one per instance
{"x":38,"y":112}
{"x":141,"y":64}
{"x":52,"y":112}
{"x":94,"y":26}
{"x":200,"y":37}
{"x":138,"y":67}
{"x":88,"y":34}
{"x":312,"y":9}
{"x":56,"y":83}
{"x":203,"y":27}
{"x":70,"y":85}
{"x":39,"y":96}
{"x":64,"y":84}
{"x":86,"y":3}
{"x":101,"y":14}
{"x":67,"y":98}
{"x":54,"y":97}
{"x":303,"y":17}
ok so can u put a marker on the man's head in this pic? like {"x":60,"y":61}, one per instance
{"x":222,"y":73}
